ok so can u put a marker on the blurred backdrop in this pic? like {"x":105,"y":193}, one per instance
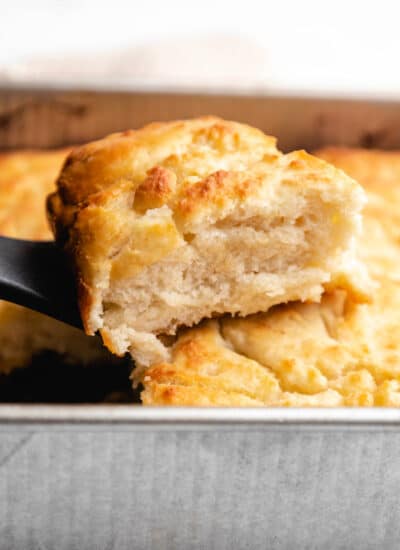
{"x":341,"y":47}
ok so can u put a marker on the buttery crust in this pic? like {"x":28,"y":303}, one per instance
{"x":336,"y":353}
{"x":131,"y":208}
{"x":26,"y":178}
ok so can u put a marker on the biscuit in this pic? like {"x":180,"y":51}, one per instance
{"x":336,"y":353}
{"x":26,"y":177}
{"x":187,"y":220}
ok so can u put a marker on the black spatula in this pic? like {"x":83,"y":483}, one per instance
{"x":34,"y":274}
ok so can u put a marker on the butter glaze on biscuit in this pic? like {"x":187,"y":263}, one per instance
{"x":186,"y":220}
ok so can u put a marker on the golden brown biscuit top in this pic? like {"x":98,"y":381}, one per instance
{"x":196,"y":167}
{"x":26,"y":177}
{"x":186,"y":150}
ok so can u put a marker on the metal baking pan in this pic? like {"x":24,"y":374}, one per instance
{"x":117,"y":476}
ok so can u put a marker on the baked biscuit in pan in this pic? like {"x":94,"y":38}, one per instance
{"x":193,"y":219}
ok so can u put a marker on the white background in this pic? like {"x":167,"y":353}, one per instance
{"x":309,"y":45}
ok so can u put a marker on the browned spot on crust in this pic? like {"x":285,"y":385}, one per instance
{"x":208,"y":186}
{"x":216,"y":189}
{"x":163,"y":370}
{"x":192,"y":350}
{"x":156,"y":189}
{"x":205,"y":190}
{"x":168,"y":393}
